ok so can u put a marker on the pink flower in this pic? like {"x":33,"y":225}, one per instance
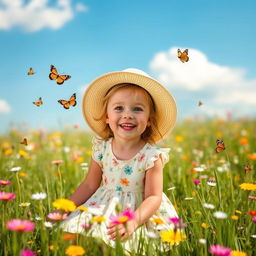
{"x":5,"y":182}
{"x":57,"y":162}
{"x":20,"y":225}
{"x":220,"y":250}
{"x":57,"y":216}
{"x":252,"y":197}
{"x":6,"y":196}
{"x":174,"y":220}
{"x":26,"y":253}
{"x":123,"y":217}
{"x":196,"y":182}
{"x":254,"y":219}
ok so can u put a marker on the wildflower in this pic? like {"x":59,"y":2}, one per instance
{"x":57,"y":162}
{"x":238,"y":253}
{"x":69,"y":237}
{"x":202,"y":241}
{"x":171,"y":188}
{"x":212,"y":184}
{"x":243,"y":141}
{"x":204,"y":225}
{"x":188,"y":198}
{"x":248,"y":186}
{"x":75,"y":250}
{"x":86,"y":226}
{"x":64,"y":204}
{"x":234,"y":217}
{"x":179,"y":138}
{"x":220,"y":215}
{"x":26,"y":253}
{"x":199,"y":169}
{"x":98,"y":219}
{"x":23,"y":153}
{"x":220,"y":250}
{"x":5,"y":182}
{"x":48,"y":224}
{"x":123,"y":217}
{"x":198,"y":213}
{"x":237,"y":211}
{"x":15,"y":169}
{"x":252,"y":213}
{"x":56,"y":216}
{"x":252,"y":197}
{"x":208,"y":206}
{"x":196,"y":181}
{"x":20,"y":225}
{"x":254,"y":219}
{"x":252,"y":156}
{"x":157,"y":221}
{"x":82,"y":208}
{"x":38,"y":196}
{"x":6,"y":196}
{"x":24,"y":204}
{"x":171,"y":236}
{"x":174,"y":220}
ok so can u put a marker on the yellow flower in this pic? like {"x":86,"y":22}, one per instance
{"x":239,"y":212}
{"x":75,"y":250}
{"x":22,"y":174}
{"x":243,"y":141}
{"x":64,"y":204}
{"x":82,"y":208}
{"x":198,"y":213}
{"x":234,"y":217}
{"x":248,"y":186}
{"x":99,"y":219}
{"x":204,"y":225}
{"x":23,"y":153}
{"x":88,"y":152}
{"x":8,"y":151}
{"x":172,"y":237}
{"x":238,"y":253}
{"x":179,"y":138}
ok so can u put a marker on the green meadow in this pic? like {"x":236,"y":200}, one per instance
{"x":213,"y":192}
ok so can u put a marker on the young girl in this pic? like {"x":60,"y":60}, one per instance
{"x":129,"y":111}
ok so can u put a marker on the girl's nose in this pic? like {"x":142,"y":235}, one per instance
{"x":127,"y":114}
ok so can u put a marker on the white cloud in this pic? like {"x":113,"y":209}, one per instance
{"x":223,"y":88}
{"x":81,"y":7}
{"x":36,"y":14}
{"x":5,"y":108}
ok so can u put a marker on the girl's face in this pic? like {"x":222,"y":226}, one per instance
{"x":128,"y":113}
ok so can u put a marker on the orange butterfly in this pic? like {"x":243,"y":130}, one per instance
{"x":31,"y":72}
{"x":54,"y":75}
{"x":67,"y":103}
{"x":247,"y":168}
{"x":39,"y":102}
{"x":183,"y":56}
{"x":220,"y":146}
{"x":24,"y":142}
{"x":200,"y":103}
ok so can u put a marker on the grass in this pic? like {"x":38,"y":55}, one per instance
{"x":192,"y":145}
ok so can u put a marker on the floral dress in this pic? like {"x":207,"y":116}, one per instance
{"x":123,"y":184}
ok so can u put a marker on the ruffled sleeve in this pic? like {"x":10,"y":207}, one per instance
{"x":98,"y":149}
{"x":156,"y":153}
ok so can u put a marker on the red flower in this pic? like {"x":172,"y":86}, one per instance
{"x":252,"y":213}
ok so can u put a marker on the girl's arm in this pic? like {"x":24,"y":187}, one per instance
{"x":89,"y":185}
{"x":152,"y":200}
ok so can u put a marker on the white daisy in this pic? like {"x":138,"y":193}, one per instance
{"x":38,"y":196}
{"x":208,"y":206}
{"x":15,"y":169}
{"x":220,"y":215}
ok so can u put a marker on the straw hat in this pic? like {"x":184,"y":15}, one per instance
{"x":166,"y":110}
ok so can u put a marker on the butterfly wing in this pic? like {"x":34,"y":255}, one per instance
{"x":220,"y":146}
{"x":54,"y":73}
{"x":179,"y":53}
{"x":39,"y":102}
{"x":72,"y":100}
{"x":64,"y":103}
{"x":62,"y":78}
{"x":24,"y":142}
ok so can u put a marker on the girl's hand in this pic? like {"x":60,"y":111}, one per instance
{"x":123,"y":230}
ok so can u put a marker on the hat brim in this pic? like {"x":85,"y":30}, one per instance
{"x":166,"y":109}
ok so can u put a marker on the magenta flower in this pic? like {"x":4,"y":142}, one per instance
{"x":123,"y":217}
{"x":220,"y":250}
{"x":174,"y":220}
{"x":20,"y":225}
{"x":6,"y":196}
{"x":5,"y":182}
{"x":57,"y":162}
{"x":26,"y":253}
{"x":196,"y":182}
{"x":254,"y":219}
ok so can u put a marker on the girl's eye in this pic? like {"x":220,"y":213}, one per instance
{"x":119,"y":108}
{"x":137,"y":109}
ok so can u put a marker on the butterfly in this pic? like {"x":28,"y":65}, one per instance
{"x":220,"y":146}
{"x":54,"y":75}
{"x":24,"y":142}
{"x":39,"y":102}
{"x":183,"y":56}
{"x":67,"y":103}
{"x":200,"y":103}
{"x":31,"y":72}
{"x":247,"y":168}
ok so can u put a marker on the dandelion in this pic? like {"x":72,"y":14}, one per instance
{"x":204,"y":225}
{"x":27,"y":253}
{"x":234,"y":217}
{"x":6,"y":196}
{"x":15,"y":169}
{"x":220,"y":250}
{"x":208,"y":206}
{"x":248,"y":186}
{"x":123,"y":217}
{"x":172,"y":237}
{"x":20,"y":225}
{"x":5,"y":182}
{"x":238,"y":253}
{"x":220,"y":215}
{"x":64,"y":204}
{"x":75,"y":250}
{"x":38,"y":196}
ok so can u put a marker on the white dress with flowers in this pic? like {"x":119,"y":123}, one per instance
{"x":123,"y":184}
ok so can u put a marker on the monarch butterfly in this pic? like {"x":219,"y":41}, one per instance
{"x":183,"y":56}
{"x":24,"y":142}
{"x":31,"y":72}
{"x":39,"y":102}
{"x":54,"y":75}
{"x":200,"y":103}
{"x":247,"y":168}
{"x":220,"y":146}
{"x":67,"y":103}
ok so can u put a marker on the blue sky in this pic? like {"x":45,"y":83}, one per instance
{"x":85,"y":39}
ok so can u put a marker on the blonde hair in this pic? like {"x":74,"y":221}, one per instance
{"x":150,"y":131}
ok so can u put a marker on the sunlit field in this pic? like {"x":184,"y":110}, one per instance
{"x":214,"y":193}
